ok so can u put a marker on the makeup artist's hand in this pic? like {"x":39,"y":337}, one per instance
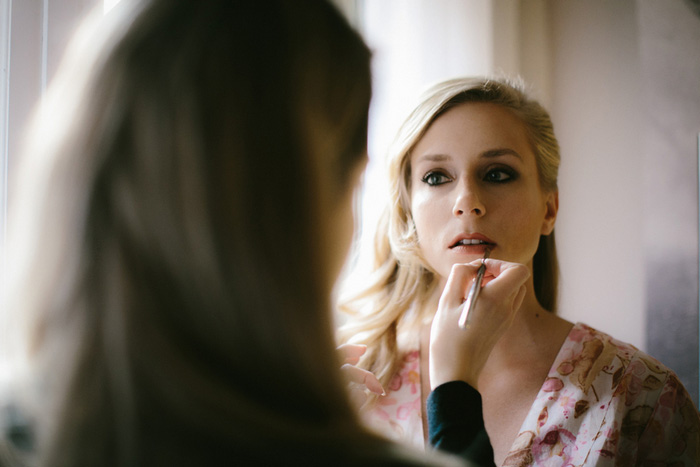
{"x":359,"y":378}
{"x":460,"y":354}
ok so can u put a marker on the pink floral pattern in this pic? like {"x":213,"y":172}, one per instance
{"x":604,"y":403}
{"x":398,"y":414}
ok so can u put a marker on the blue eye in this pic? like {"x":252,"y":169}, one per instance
{"x":500,"y":175}
{"x":435,"y":178}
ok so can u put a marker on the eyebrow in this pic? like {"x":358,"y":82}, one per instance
{"x":501,"y":152}
{"x":486,"y":154}
{"x":433,"y":158}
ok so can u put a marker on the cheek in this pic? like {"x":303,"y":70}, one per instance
{"x":526,"y":215}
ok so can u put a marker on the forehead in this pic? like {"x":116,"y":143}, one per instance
{"x":473,"y":127}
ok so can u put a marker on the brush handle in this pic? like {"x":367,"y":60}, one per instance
{"x":471,"y":298}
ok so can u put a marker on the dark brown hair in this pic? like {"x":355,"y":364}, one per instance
{"x":176,"y":301}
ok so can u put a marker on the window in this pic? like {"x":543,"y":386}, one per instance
{"x":33,"y":36}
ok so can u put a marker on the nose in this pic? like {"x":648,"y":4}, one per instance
{"x":468,"y":201}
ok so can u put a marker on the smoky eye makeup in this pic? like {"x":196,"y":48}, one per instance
{"x":500,"y":174}
{"x":435,"y":178}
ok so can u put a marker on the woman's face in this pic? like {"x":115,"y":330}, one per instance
{"x":474,"y":185}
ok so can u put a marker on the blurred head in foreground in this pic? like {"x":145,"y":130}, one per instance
{"x":184,"y":210}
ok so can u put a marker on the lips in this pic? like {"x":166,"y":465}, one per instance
{"x":471,"y":240}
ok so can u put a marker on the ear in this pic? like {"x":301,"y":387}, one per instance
{"x":550,"y":214}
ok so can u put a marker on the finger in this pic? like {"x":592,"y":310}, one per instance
{"x":352,"y":352}
{"x":505,"y":286}
{"x":358,"y":396}
{"x":361,"y":376}
{"x":503,"y":276}
{"x":458,"y":282}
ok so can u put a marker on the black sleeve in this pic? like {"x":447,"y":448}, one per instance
{"x":456,"y":424}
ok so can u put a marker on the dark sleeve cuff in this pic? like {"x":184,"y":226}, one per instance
{"x":456,"y":423}
{"x":454,"y":414}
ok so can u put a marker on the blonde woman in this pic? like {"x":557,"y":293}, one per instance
{"x":474,"y":169}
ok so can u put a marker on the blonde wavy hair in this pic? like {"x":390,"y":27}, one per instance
{"x":390,"y":303}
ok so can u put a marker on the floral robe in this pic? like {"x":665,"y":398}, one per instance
{"x":604,"y":403}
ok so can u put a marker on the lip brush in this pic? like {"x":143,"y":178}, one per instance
{"x":473,"y":293}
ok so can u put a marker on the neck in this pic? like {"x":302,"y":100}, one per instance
{"x":535,"y":335}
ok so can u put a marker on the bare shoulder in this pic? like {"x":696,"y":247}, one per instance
{"x":555,"y":330}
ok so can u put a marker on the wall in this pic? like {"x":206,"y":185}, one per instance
{"x":625,"y":93}
{"x":596,"y":107}
{"x":669,"y":46}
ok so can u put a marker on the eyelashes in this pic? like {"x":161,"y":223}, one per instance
{"x":495,"y":175}
{"x":501,"y":175}
{"x":435,"y":178}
